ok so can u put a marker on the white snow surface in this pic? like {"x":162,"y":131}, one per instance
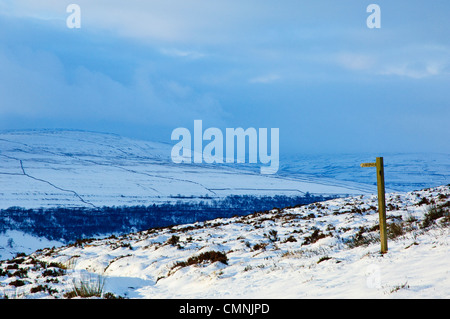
{"x":13,"y":242}
{"x":302,"y":252}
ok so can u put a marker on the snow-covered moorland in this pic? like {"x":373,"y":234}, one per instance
{"x":323,"y":250}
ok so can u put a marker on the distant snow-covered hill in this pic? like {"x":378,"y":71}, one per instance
{"x":57,"y":168}
{"x":404,"y":172}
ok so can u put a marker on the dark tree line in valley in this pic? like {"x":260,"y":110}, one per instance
{"x":71,"y":223}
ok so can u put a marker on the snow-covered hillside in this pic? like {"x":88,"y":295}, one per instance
{"x":323,"y":250}
{"x":57,"y":168}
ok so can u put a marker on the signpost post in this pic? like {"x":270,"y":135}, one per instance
{"x":381,"y":201}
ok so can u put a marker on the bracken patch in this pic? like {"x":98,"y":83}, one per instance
{"x":209,"y":256}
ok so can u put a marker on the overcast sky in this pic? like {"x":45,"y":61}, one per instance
{"x":311,"y":68}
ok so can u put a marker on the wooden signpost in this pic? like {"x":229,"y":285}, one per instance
{"x":381,"y":201}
